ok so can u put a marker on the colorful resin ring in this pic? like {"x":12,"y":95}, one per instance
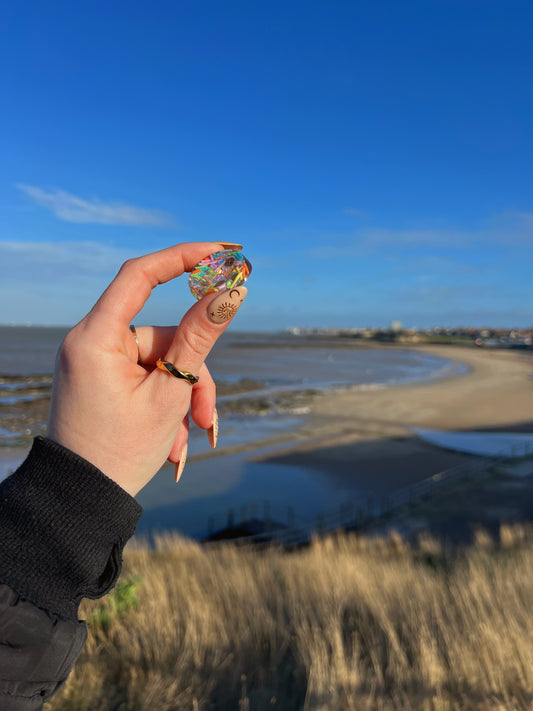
{"x":218,"y":272}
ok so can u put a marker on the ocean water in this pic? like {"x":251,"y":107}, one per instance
{"x":29,"y":350}
{"x":279,"y":360}
{"x":262,"y":380}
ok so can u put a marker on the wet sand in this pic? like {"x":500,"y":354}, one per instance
{"x":497,"y":393}
{"x":367,"y":434}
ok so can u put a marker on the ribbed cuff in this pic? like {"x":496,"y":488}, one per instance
{"x":63,"y":527}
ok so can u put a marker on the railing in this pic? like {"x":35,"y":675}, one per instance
{"x":358,"y":514}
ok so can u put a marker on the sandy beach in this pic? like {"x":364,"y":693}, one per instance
{"x":497,"y":393}
{"x":357,"y":444}
{"x":368,"y":433}
{"x":362,"y":437}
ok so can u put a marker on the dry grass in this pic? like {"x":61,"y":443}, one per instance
{"x":346,"y":624}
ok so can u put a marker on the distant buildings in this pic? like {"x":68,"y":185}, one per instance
{"x":480,"y":337}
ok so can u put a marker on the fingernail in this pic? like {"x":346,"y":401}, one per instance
{"x":180,"y":466}
{"x":212,"y":432}
{"x":226,"y":304}
{"x":231,"y":245}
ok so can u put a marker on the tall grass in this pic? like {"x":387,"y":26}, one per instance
{"x":346,"y":624}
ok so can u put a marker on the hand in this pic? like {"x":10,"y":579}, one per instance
{"x":110,"y":404}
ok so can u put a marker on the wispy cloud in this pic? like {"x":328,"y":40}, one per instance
{"x":431,"y":266}
{"x":372,"y":241}
{"x":515,"y":223}
{"x":379,"y":237}
{"x":506,"y":229}
{"x":57,"y":262}
{"x":57,"y":283}
{"x":71,"y":208}
{"x":510,"y":229}
{"x":355,"y":212}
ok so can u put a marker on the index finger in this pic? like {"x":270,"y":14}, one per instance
{"x":130,"y":289}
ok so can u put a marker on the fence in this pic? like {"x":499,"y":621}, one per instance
{"x":359,"y":513}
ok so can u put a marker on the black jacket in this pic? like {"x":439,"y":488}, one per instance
{"x":63,"y":527}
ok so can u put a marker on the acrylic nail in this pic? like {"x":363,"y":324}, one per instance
{"x":226,"y":304}
{"x":180,"y":466}
{"x":212,"y":432}
{"x":231,"y":245}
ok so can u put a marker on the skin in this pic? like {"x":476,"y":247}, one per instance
{"x":109,"y":403}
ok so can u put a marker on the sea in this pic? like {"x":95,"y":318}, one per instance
{"x":264,"y":381}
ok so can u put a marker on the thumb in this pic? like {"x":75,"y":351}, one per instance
{"x":199,"y":330}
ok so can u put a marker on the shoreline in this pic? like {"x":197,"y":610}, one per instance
{"x":350,"y":448}
{"x":496,"y":393}
{"x":368,"y":436}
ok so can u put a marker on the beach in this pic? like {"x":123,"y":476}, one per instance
{"x":350,"y":443}
{"x":369,"y":435}
{"x":496,"y":394}
{"x":312,"y":449}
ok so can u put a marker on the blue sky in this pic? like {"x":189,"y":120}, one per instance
{"x":375,"y":158}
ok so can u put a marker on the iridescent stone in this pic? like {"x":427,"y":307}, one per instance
{"x":218,"y":272}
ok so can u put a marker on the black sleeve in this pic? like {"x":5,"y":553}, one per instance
{"x":37,"y":652}
{"x":63,"y":527}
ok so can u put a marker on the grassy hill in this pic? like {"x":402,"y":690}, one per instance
{"x":345,"y":624}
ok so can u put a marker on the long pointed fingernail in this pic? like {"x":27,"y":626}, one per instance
{"x":226,"y":304}
{"x":180,"y":466}
{"x":231,"y":245}
{"x":212,"y":432}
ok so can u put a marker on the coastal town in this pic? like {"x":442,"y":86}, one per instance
{"x":508,"y":338}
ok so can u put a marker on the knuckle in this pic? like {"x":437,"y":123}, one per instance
{"x":76,"y":350}
{"x":129,"y":265}
{"x":69,"y":350}
{"x":196,"y":341}
{"x":136,"y":268}
{"x":66,"y":350}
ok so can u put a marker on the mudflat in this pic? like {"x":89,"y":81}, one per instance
{"x":368,"y":433}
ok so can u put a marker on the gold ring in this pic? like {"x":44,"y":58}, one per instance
{"x":176,"y":372}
